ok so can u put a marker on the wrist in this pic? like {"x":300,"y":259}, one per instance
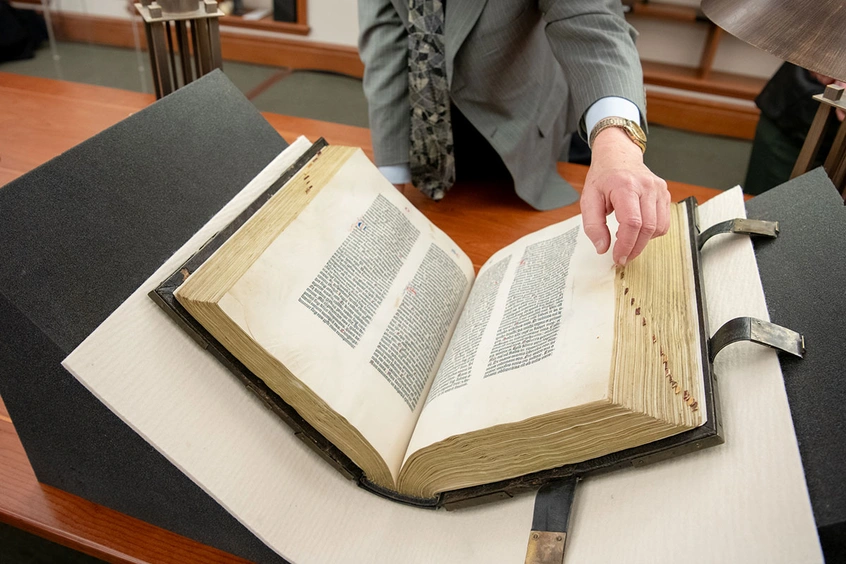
{"x":613,"y":143}
{"x":629,"y":128}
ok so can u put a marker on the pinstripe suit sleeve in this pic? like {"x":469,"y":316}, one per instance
{"x":383,"y":47}
{"x":595,"y":47}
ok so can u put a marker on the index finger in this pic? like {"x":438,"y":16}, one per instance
{"x":626,"y":205}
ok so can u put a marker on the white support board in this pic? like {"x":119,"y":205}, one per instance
{"x":745,"y":501}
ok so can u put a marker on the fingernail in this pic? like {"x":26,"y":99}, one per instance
{"x":623,"y":260}
{"x":598,"y":246}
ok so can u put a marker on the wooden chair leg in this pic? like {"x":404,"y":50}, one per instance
{"x":838,"y":150}
{"x":812,"y":142}
{"x":838,"y":175}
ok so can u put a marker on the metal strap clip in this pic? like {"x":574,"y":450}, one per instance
{"x":545,"y":547}
{"x":751,"y":227}
{"x":757,"y":331}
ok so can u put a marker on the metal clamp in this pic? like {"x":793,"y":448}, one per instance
{"x":751,"y":227}
{"x":545,"y":547}
{"x":757,"y":331}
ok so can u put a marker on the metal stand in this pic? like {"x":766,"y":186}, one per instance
{"x":44,"y":5}
{"x":835,"y":163}
{"x":165,"y":18}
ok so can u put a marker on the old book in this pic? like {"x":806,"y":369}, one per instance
{"x":371,"y":323}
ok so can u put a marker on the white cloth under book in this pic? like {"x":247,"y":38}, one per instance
{"x":745,"y":501}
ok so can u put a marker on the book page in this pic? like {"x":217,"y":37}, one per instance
{"x":535,"y":336}
{"x":357,"y":298}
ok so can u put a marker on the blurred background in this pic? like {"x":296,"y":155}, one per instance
{"x":299,"y":57}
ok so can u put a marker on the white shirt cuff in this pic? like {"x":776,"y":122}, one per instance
{"x":396,"y":174}
{"x":611,"y":106}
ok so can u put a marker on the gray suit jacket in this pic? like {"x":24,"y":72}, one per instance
{"x":523,"y":72}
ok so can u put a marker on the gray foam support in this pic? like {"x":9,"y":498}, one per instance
{"x":77,"y":236}
{"x":803,"y":272}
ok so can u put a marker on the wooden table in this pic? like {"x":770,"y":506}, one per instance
{"x":42,"y":118}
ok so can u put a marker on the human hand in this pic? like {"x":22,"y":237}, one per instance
{"x":618,"y":181}
{"x":821,"y":78}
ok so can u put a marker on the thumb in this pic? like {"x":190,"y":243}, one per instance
{"x":593,"y":220}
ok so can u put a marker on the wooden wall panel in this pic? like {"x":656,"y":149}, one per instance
{"x":80,"y":28}
{"x":702,"y":116}
{"x":290,"y":53}
{"x":688,"y":78}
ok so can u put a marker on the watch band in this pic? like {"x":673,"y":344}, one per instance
{"x":632,"y":129}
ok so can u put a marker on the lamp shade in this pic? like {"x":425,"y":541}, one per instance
{"x":808,"y":33}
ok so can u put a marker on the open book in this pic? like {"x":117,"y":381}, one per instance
{"x":371,"y":323}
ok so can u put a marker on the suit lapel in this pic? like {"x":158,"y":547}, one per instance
{"x":460,"y":17}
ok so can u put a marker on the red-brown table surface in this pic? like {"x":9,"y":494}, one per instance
{"x":42,"y":118}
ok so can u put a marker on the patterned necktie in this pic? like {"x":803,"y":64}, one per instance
{"x":431,"y":152}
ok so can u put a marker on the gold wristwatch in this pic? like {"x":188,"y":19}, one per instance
{"x":631,"y":128}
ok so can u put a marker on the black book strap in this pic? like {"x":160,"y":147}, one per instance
{"x":549,"y":524}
